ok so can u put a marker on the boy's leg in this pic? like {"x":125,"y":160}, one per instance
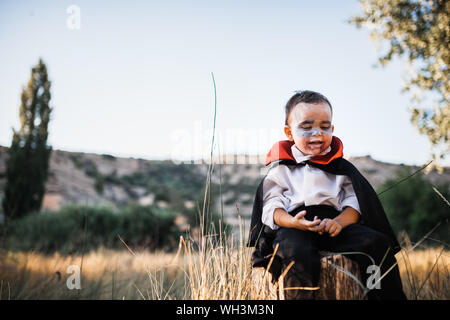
{"x":300,"y":247}
{"x":360,"y":238}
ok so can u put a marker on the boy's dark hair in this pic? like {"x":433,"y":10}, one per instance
{"x":305,"y":96}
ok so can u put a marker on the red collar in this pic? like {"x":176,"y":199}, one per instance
{"x":282,"y":151}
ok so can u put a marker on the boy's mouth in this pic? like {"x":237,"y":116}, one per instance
{"x":315,"y":145}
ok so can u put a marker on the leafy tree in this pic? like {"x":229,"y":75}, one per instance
{"x":28,"y":162}
{"x":414,"y":207}
{"x":420,"y":31}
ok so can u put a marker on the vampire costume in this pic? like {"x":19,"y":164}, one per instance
{"x":372,"y":236}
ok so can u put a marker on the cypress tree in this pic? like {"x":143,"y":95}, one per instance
{"x":28,"y":162}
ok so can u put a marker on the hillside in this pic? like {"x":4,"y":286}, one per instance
{"x":101,"y":179}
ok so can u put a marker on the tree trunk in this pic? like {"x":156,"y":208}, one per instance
{"x":334,"y":284}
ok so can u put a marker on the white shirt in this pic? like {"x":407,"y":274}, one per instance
{"x":290,"y":186}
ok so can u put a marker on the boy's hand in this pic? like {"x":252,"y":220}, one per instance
{"x":299,"y":222}
{"x":330,"y":226}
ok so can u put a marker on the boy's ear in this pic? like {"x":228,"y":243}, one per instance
{"x":288,"y":133}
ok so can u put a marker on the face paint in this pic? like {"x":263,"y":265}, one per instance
{"x":309,"y":132}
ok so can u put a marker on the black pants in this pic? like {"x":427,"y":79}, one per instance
{"x":303,"y":248}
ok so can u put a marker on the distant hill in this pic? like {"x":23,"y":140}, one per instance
{"x":102,"y":179}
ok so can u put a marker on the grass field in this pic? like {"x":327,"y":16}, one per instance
{"x":220,"y":272}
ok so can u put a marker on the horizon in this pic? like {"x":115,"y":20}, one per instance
{"x":215,"y":156}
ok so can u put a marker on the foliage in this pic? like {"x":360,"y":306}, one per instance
{"x":170,"y":182}
{"x":91,"y":170}
{"x":414,"y":207}
{"x":28,"y":162}
{"x":77,"y":228}
{"x":419,"y":30}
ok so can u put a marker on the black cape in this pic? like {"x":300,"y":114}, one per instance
{"x":372,"y":212}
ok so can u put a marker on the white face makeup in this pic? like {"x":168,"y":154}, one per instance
{"x":305,"y":128}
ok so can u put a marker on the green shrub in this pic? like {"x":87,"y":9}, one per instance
{"x":99,"y":183}
{"x":142,"y":227}
{"x":414,"y":207}
{"x":77,"y":228}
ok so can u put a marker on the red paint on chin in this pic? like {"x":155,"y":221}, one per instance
{"x":315,"y":146}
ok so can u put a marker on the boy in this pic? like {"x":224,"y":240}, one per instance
{"x":312,"y":200}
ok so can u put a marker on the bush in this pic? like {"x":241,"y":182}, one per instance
{"x":414,"y":207}
{"x":78,"y":228}
{"x":142,"y":228}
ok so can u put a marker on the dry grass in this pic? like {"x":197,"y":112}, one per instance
{"x":217,"y":272}
{"x":425,"y":273}
{"x":105,"y":274}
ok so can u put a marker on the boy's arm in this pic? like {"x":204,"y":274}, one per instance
{"x":349,"y":203}
{"x":347,"y":216}
{"x":273,"y":197}
{"x":284,"y":219}
{"x":334,"y":226}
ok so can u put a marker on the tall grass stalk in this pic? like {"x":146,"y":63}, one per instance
{"x":219,"y":269}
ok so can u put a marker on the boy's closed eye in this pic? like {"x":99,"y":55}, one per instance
{"x":307,"y":125}
{"x":310,"y":122}
{"x":309,"y":128}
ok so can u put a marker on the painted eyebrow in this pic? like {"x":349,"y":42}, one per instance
{"x":311,"y":122}
{"x":306,"y":122}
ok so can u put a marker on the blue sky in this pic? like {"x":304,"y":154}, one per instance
{"x":135,"y":79}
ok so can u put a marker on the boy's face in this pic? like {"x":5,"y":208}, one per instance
{"x":309,"y":126}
